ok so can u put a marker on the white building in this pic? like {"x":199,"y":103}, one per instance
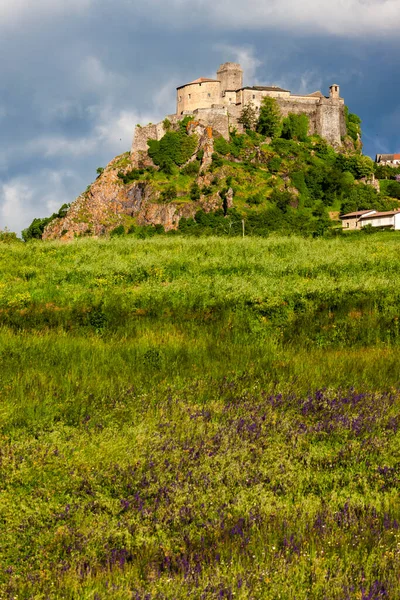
{"x":389,"y":219}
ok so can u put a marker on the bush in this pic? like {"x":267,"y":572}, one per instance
{"x":216,"y":161}
{"x":174,"y":148}
{"x":393,"y":189}
{"x":274,"y":164}
{"x":195,"y":192}
{"x":207,"y":190}
{"x":8,"y":237}
{"x":133,"y":175}
{"x":168,"y":194}
{"x":222,"y":146}
{"x":295,"y":127}
{"x":255,"y":200}
{"x":281,"y":199}
{"x":353,"y":125}
{"x":191,"y":168}
{"x":117,"y":231}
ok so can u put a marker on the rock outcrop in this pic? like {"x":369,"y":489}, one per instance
{"x":109,"y":202}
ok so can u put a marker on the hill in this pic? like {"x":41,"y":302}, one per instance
{"x":195,"y":181}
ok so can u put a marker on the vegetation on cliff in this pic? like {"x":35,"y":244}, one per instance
{"x":272,"y":177}
{"x":206,"y":418}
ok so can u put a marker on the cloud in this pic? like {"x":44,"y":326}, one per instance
{"x":18,"y":11}
{"x":244,"y":55}
{"x":40,"y":194}
{"x":337,"y":17}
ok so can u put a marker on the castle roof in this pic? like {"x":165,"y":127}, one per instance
{"x":316,"y":95}
{"x":199,"y":80}
{"x":265,"y":88}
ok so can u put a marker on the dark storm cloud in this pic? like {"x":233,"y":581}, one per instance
{"x":76,"y":77}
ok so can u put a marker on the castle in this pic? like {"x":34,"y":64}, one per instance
{"x":219,"y":102}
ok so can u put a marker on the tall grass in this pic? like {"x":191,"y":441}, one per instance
{"x":206,"y":418}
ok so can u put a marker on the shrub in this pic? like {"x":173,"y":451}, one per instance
{"x":8,"y":237}
{"x":256,"y":199}
{"x":222,"y":146}
{"x":174,"y":148}
{"x":274,"y":164}
{"x":117,"y":231}
{"x":191,"y":168}
{"x":195,"y":192}
{"x":216,"y":161}
{"x":207,"y":190}
{"x":99,"y":171}
{"x":281,"y":199}
{"x":353,"y":125}
{"x":133,"y":175}
{"x":393,"y":189}
{"x":168,"y":194}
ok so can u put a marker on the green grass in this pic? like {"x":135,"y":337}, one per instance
{"x":208,"y":418}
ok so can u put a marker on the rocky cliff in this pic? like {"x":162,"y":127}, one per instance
{"x":110,"y":202}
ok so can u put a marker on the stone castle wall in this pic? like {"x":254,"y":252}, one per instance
{"x":203,"y":94}
{"x":218,"y":104}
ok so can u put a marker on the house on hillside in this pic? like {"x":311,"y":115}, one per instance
{"x":389,"y":219}
{"x":391,"y":160}
{"x":353,"y":220}
{"x":357,"y":220}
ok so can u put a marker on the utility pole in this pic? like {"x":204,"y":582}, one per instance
{"x":243,"y":226}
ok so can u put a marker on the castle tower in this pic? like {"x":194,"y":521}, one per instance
{"x":334,"y":91}
{"x":231,"y":77}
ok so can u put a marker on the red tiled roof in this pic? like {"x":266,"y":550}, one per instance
{"x":359,"y":213}
{"x":199,"y":80}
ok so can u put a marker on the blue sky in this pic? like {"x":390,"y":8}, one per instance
{"x":77,"y":75}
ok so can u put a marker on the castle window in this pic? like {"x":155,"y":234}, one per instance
{"x":190,"y":95}
{"x":209,"y":95}
{"x":254,"y":96}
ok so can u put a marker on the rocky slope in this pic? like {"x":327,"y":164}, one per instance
{"x":108,"y":202}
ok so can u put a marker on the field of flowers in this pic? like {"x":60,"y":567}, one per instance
{"x":209,"y":418}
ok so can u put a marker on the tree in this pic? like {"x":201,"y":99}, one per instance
{"x":248,"y":116}
{"x":353,"y":125}
{"x":295,"y":127}
{"x":393,"y":189}
{"x":270,"y":119}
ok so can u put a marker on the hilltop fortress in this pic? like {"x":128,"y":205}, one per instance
{"x":219,"y":102}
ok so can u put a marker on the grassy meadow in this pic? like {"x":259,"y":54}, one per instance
{"x":200,"y":418}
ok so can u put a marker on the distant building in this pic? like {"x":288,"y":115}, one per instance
{"x":390,"y":160}
{"x":352,"y":220}
{"x":357,"y":220}
{"x":389,"y":219}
